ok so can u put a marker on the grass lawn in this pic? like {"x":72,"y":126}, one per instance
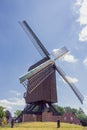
{"x":43,"y":126}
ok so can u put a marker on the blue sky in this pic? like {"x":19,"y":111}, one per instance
{"x":57,"y":23}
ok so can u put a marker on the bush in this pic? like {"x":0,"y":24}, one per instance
{"x":4,"y":121}
{"x":83,"y":119}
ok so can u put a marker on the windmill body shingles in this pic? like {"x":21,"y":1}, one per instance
{"x":46,"y":90}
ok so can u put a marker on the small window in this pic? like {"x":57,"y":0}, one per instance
{"x":71,"y":118}
{"x":65,"y":118}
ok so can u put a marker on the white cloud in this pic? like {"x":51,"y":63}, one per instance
{"x":85,"y":61}
{"x":72,"y":79}
{"x":15,"y":92}
{"x":78,"y":2}
{"x":66,"y":57}
{"x":12,"y":104}
{"x":70,"y":58}
{"x":82,"y":10}
{"x":83,"y":34}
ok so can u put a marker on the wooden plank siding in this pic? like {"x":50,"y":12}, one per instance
{"x":46,"y":91}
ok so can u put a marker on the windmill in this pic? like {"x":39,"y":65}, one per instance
{"x":40,"y":80}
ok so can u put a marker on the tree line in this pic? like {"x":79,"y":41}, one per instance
{"x":79,"y":113}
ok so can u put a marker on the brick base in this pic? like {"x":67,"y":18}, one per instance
{"x":48,"y":116}
{"x":31,"y":117}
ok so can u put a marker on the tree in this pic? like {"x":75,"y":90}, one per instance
{"x":80,"y":111}
{"x":2,"y":112}
{"x":83,"y":119}
{"x":68,"y":109}
{"x":17,"y":113}
{"x":74,"y":111}
{"x":59,"y":109}
{"x":8,"y":114}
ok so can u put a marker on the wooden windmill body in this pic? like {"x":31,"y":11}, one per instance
{"x":41,"y":90}
{"x":42,"y":86}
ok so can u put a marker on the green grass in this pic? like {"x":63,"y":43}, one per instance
{"x":43,"y":126}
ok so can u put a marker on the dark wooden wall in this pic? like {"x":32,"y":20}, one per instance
{"x":46,"y":91}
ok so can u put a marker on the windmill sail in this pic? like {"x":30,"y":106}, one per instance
{"x":35,"y":70}
{"x":37,"y":43}
{"x":59,"y":53}
{"x":73,"y":87}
